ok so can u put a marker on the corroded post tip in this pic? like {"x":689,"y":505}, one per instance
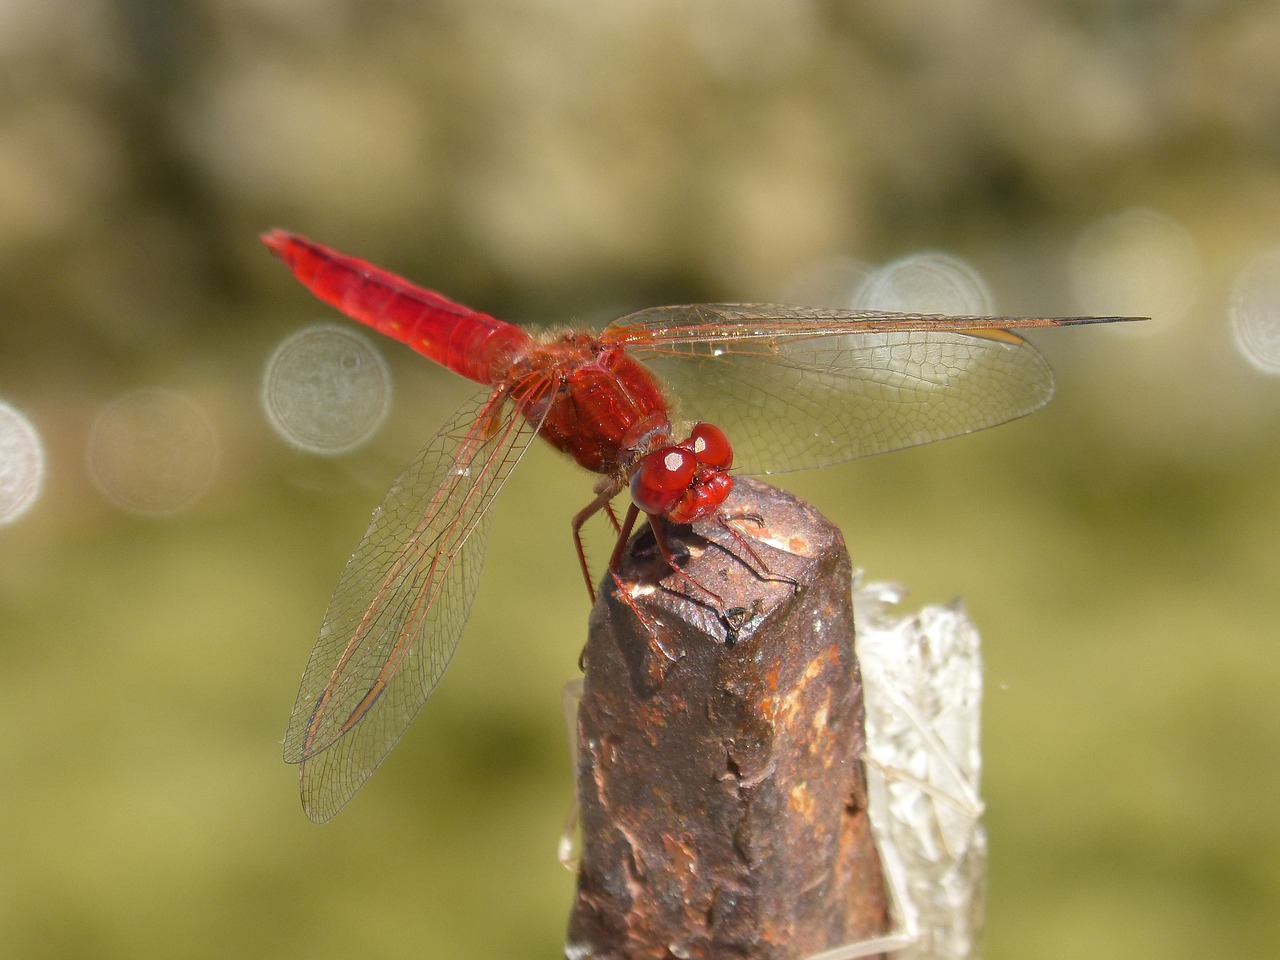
{"x":723,"y":798}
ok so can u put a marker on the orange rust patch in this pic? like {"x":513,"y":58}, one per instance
{"x":813,"y":669}
{"x":680,"y":853}
{"x":769,"y":708}
{"x":801,"y":800}
{"x":652,"y":721}
{"x":820,"y":718}
{"x":793,"y":705}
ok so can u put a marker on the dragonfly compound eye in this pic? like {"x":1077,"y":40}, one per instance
{"x":711,"y":446}
{"x":662,"y":479}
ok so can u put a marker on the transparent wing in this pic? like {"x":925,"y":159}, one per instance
{"x":400,"y":605}
{"x":797,"y":387}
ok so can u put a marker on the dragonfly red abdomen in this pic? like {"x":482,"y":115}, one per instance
{"x":477,"y":346}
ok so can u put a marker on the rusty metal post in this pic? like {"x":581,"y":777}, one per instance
{"x":723,"y":798}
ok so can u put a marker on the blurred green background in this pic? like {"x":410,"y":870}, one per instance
{"x":561,"y":161}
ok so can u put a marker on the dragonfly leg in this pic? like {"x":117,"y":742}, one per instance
{"x":734,"y":619}
{"x":757,"y":564}
{"x":604,"y":495}
{"x":659,"y":526}
{"x":651,"y":628}
{"x":624,"y":534}
{"x":613,"y":517}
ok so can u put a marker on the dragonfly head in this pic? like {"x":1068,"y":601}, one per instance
{"x":686,"y":481}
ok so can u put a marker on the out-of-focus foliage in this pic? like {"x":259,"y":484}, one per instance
{"x":564,"y":161}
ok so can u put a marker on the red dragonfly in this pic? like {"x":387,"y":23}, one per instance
{"x":796,"y":387}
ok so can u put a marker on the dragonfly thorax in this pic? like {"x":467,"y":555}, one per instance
{"x":605,"y":403}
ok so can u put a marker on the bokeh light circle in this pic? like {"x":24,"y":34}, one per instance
{"x":832,"y":282}
{"x":927,"y":282}
{"x":153,"y":452}
{"x":1137,"y":263}
{"x":1255,"y":311}
{"x":21,"y":464}
{"x":326,"y":389}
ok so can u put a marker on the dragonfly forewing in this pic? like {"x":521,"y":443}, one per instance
{"x":796,"y":403}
